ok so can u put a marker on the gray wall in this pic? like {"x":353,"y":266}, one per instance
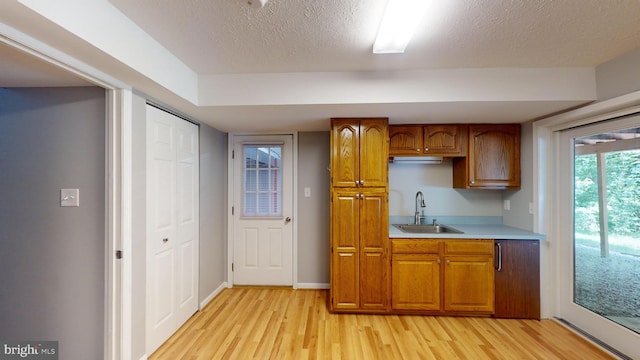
{"x":313,"y":212}
{"x":213,"y":210}
{"x":618,"y":76}
{"x":213,"y":218}
{"x":52,"y":259}
{"x":519,"y":215}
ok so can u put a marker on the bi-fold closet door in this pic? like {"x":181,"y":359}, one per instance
{"x":172,"y":172}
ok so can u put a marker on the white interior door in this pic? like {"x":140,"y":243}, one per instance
{"x":172,"y":225}
{"x":263,"y":210}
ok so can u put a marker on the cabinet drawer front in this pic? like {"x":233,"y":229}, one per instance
{"x":468,"y":247}
{"x":424,"y":246}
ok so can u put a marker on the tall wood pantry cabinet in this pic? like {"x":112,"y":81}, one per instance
{"x":359,"y":215}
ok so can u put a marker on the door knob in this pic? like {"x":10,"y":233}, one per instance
{"x":165,"y":240}
{"x":287,"y":220}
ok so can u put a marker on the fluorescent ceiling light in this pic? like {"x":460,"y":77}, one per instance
{"x":401,"y":17}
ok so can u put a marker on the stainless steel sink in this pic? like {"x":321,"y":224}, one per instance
{"x":426,"y":229}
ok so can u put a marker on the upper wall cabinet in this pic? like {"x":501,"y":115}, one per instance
{"x":493,"y":158}
{"x":359,"y":152}
{"x":430,"y":140}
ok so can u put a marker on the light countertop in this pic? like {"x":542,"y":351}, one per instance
{"x":472,"y":228}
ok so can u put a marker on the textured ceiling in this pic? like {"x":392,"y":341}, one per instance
{"x":260,"y":69}
{"x":229,"y":36}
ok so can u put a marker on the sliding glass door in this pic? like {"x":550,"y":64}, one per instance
{"x":600,"y":249}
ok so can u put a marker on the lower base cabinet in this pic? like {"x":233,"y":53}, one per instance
{"x":517,"y":279}
{"x":442,"y":276}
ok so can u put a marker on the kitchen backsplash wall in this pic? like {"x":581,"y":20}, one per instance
{"x":435,"y":182}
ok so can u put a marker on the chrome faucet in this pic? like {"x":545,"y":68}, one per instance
{"x":418,"y":216}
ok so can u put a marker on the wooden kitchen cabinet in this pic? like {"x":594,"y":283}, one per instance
{"x":415,"y":278}
{"x":359,"y":216}
{"x":493,"y":158}
{"x":469,"y":276}
{"x":359,"y":233}
{"x":447,"y":140}
{"x":442,"y":276}
{"x":359,"y":152}
{"x":517,"y":279}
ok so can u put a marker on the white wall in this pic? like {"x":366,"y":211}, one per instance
{"x":435,"y":182}
{"x":618,"y":76}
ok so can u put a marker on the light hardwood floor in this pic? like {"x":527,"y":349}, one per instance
{"x":280,"y":323}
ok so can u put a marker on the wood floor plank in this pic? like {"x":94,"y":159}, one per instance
{"x":281,"y":323}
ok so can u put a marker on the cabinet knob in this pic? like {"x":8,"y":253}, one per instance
{"x":426,"y":149}
{"x":417,"y":150}
{"x":447,"y":261}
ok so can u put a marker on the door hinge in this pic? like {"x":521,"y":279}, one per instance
{"x":233,"y":210}
{"x":231,"y":266}
{"x":233,"y":154}
{"x":118,"y":254}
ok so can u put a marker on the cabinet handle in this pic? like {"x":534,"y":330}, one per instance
{"x":499,"y":266}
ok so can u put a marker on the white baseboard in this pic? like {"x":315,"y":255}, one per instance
{"x":211,"y":296}
{"x":144,"y":357}
{"x":313,"y":286}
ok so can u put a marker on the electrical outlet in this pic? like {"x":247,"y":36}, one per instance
{"x":307,"y":192}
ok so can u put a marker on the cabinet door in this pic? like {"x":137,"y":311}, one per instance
{"x":405,"y":140}
{"x":468,"y":283}
{"x":374,"y":239}
{"x":517,"y":279}
{"x":345,"y":152}
{"x":374,"y":153}
{"x":494,"y":156}
{"x":445,"y":140}
{"x":415,"y":282}
{"x":345,"y":291}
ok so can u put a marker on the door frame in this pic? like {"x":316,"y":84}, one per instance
{"x":230,"y":194}
{"x":118,"y":182}
{"x":604,"y":329}
{"x":547,"y":149}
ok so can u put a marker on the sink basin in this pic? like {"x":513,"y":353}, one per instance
{"x":426,"y":229}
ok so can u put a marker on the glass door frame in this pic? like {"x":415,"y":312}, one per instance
{"x":601,"y":328}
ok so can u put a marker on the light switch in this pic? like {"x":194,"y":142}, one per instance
{"x":69,"y":197}
{"x":507,"y":204}
{"x":307,"y":192}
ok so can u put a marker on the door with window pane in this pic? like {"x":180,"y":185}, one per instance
{"x":262,"y":210}
{"x":601,"y":293}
